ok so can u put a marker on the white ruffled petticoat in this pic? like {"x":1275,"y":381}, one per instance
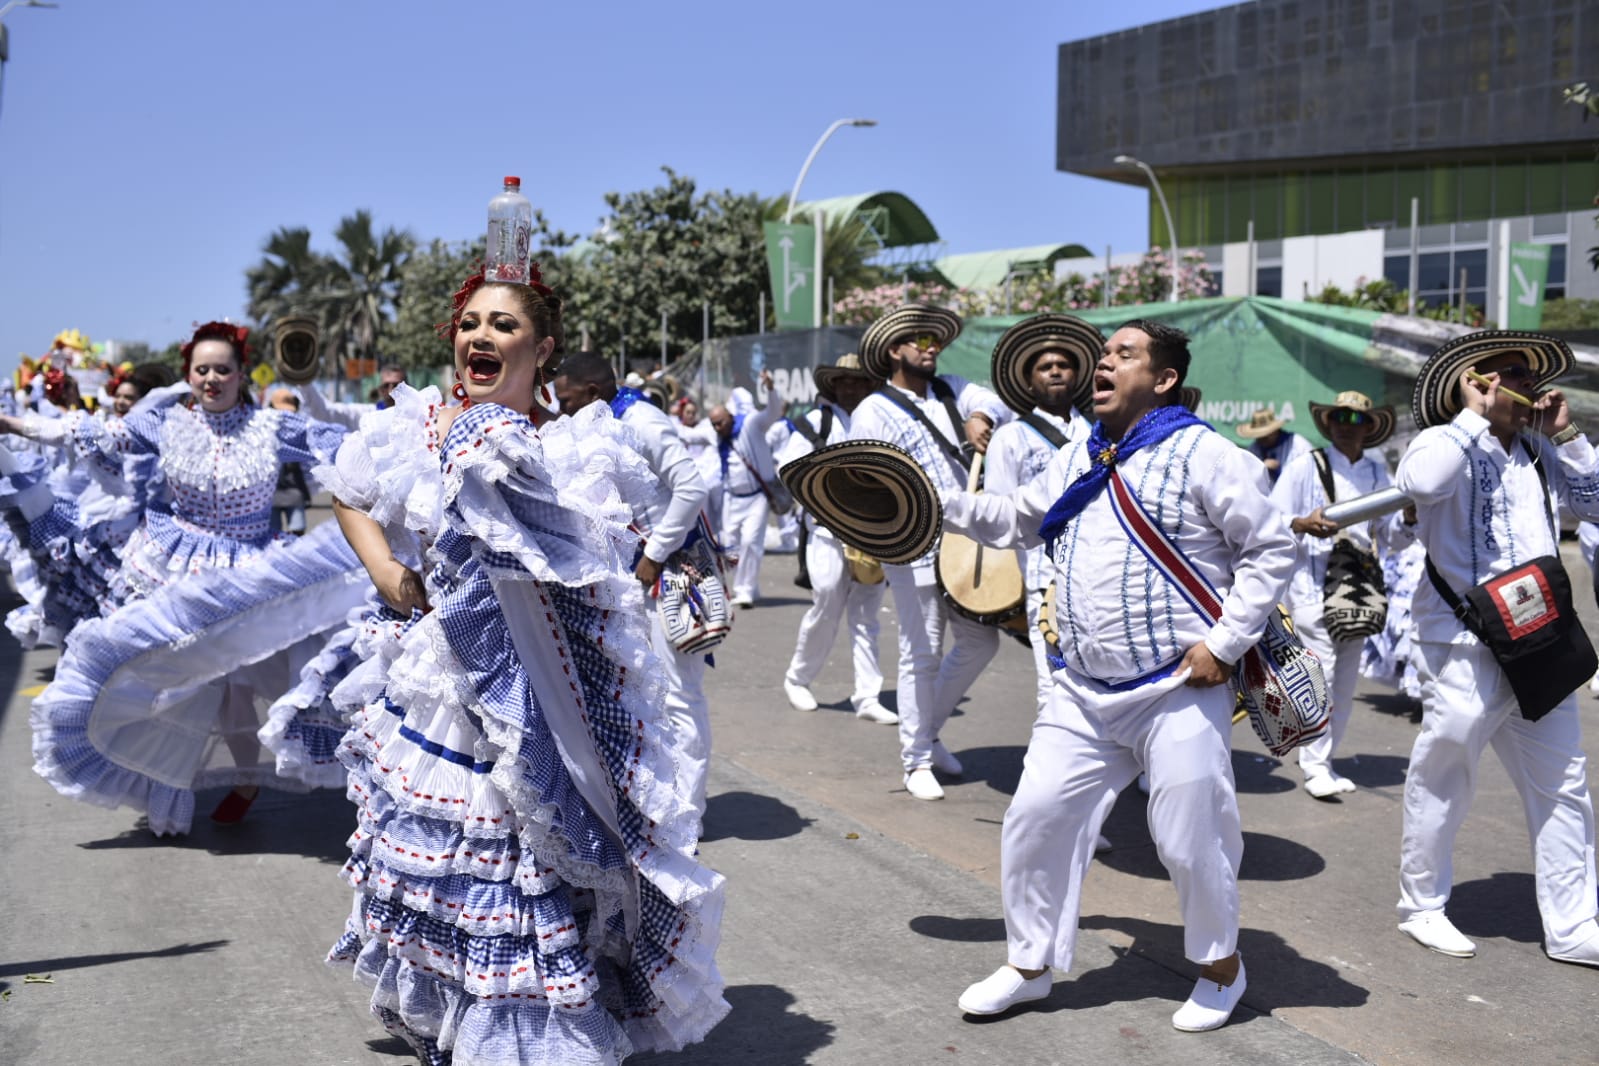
{"x":527,"y":890}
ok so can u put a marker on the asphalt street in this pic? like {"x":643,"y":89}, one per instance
{"x":856,"y":914}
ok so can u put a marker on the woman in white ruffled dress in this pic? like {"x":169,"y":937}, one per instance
{"x":164,"y":695}
{"x":526,"y":883}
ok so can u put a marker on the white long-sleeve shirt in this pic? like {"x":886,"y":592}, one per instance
{"x":1017,"y":454}
{"x":670,"y":514}
{"x":1299,"y":491}
{"x":749,"y":448}
{"x":1118,"y":617}
{"x":1481,"y":511}
{"x":799,"y":445}
{"x":318,"y":407}
{"x":1289,"y":446}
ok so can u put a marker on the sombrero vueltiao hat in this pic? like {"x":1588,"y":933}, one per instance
{"x":1437,"y":399}
{"x":1190,"y":398}
{"x":1031,"y":337}
{"x":872,"y":495}
{"x":1382,"y":418}
{"x":657,"y":389}
{"x":847,"y":366}
{"x":1261,"y":424}
{"x":904,"y":321}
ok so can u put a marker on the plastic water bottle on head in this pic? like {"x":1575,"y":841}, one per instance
{"x":510,"y":235}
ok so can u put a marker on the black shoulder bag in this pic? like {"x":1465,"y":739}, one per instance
{"x":1525,"y":617}
{"x":1043,"y":429}
{"x":1354,"y":599}
{"x":803,"y":427}
{"x":961,"y":451}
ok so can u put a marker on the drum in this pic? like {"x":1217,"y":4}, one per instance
{"x":981,"y":583}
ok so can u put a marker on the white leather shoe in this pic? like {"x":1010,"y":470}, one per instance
{"x":799,"y":697}
{"x":921,"y":783}
{"x":1004,"y":989}
{"x":1322,"y":785}
{"x":873,"y":711}
{"x":1210,"y":1005}
{"x":1438,"y":933}
{"x":944,"y":760}
{"x":742,"y":599}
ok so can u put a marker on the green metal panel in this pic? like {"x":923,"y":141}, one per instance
{"x":1439,"y":206}
{"x":1476,"y":191}
{"x":1582,"y":182}
{"x":1240,"y":206}
{"x":1351,"y":207}
{"x":1295,"y":211}
{"x":1409,"y":184}
{"x":1269,"y":208}
{"x":1545,"y":188}
{"x":1380,"y":205}
{"x":1510,"y":188}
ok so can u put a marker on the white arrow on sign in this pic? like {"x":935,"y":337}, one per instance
{"x":1527,"y":293}
{"x":787,"y":244}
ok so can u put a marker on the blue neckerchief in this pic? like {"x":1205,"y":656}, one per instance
{"x":626,"y":396}
{"x":1153,"y":428}
{"x":724,"y":446}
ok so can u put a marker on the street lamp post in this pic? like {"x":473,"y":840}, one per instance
{"x":793,"y":198}
{"x":1171,"y":230}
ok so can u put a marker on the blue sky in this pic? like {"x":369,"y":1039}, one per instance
{"x":148,"y":147}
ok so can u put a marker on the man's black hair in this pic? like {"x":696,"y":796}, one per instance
{"x":588,"y":368}
{"x":1168,"y":347}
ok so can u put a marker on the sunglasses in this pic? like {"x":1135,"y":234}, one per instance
{"x":924,"y":342}
{"x":1345,"y":417}
{"x":1516,"y":372}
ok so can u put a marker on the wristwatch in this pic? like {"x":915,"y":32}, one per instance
{"x":1565,"y":436}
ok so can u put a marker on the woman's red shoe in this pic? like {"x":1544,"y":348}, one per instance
{"x":234,"y":806}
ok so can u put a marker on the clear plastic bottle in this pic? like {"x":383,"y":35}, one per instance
{"x":510,"y":234}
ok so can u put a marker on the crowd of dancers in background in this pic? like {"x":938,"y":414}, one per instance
{"x":499,"y":647}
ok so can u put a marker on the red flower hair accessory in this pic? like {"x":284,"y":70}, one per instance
{"x":55,"y":384}
{"x":475,"y":281}
{"x":119,"y":376}
{"x":236,"y":336}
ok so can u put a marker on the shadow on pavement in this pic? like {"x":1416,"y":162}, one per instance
{"x":1394,"y":705}
{"x":779,"y":601}
{"x":391,"y":1045}
{"x":1266,"y":858}
{"x":1278,"y":975}
{"x":1374,"y":771}
{"x":1504,"y":905}
{"x":78,"y":962}
{"x":762,"y":1028}
{"x":963,"y":930}
{"x":1256,"y":774}
{"x":313,"y":824}
{"x":750,"y":816}
{"x":1000,"y":768}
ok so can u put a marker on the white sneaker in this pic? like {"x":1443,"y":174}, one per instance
{"x":921,"y":783}
{"x":799,"y":697}
{"x":1438,"y":933}
{"x":1322,"y":784}
{"x":944,"y":760}
{"x":742,"y":599}
{"x":1210,"y":1005}
{"x":873,"y":711}
{"x":1584,"y":954}
{"x":1004,"y":989}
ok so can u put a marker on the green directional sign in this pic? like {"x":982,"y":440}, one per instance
{"x":791,"y":253}
{"x":1529,"y":269}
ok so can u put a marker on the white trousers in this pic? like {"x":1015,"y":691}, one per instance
{"x":1469,"y":705}
{"x":744,"y":534}
{"x":688,"y":713}
{"x":930,"y":682}
{"x":1086,"y":747}
{"x":1340,"y":662}
{"x":1046,"y":680}
{"x":835,"y":595}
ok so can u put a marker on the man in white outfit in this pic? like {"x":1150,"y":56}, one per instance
{"x":1043,"y":369}
{"x":835,"y":594}
{"x":1351,"y":467}
{"x":932,"y":416}
{"x":748,"y":473}
{"x":1144,"y":680}
{"x":669,"y":519}
{"x":1487,"y":473}
{"x":1269,"y":442}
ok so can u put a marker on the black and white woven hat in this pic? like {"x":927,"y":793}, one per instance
{"x":1437,"y":396}
{"x":847,"y":366}
{"x":872,"y":495}
{"x":1191,"y":398}
{"x":1382,"y":418}
{"x":1031,"y":337}
{"x":904,"y":321}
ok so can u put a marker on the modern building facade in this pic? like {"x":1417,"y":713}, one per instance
{"x":1316,"y":124}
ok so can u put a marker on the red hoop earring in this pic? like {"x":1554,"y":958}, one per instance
{"x":459,"y":391}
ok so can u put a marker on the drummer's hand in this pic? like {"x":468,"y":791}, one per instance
{"x":648,"y":572}
{"x":1409,"y":515}
{"x":401,"y":587}
{"x":979,"y":430}
{"x":1204,"y":669}
{"x":1553,"y":413}
{"x":1314,"y":524}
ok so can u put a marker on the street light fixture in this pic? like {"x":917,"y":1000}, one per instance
{"x":793,"y":197}
{"x":1171,"y":230}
